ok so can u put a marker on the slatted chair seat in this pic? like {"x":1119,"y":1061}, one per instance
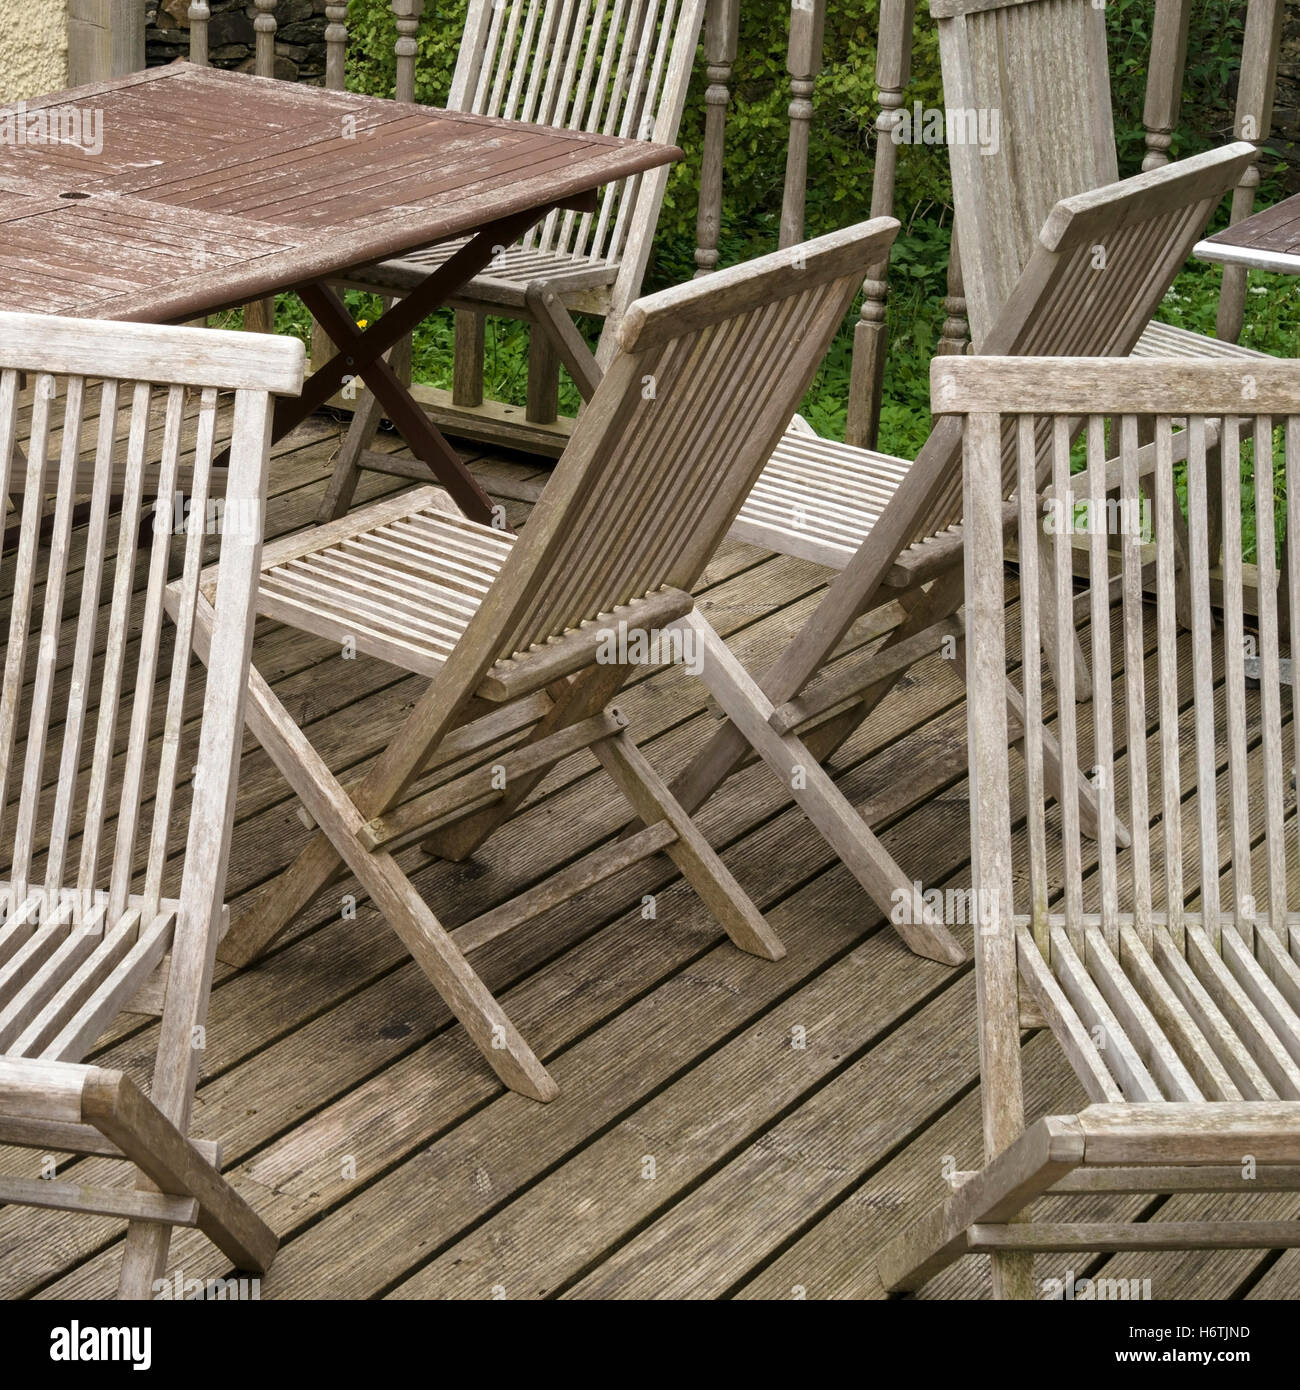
{"x":1185,"y":1017}
{"x":403,"y":578}
{"x":109,"y":743}
{"x":1166,"y":340}
{"x":64,"y":973}
{"x":513,"y":270}
{"x":1166,"y":968}
{"x":818,"y":498}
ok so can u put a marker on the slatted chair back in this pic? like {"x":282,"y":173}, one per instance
{"x":1101,"y":265}
{"x":1027,"y":89}
{"x":1159,"y":717}
{"x":708,"y":376}
{"x":614,"y":67}
{"x":105,"y":730}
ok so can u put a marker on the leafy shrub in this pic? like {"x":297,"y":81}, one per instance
{"x":839,"y":179}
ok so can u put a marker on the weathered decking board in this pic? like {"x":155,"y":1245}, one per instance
{"x":777,"y":1170}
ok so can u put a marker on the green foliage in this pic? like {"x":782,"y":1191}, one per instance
{"x":839,"y":183}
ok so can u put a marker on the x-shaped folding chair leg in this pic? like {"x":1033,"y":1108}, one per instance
{"x":340,"y":838}
{"x":749,"y":727}
{"x":395,"y":896}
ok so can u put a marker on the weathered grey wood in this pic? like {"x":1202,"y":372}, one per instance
{"x":882,"y":508}
{"x":721,"y":39}
{"x":803,"y":62}
{"x":122,"y":1113}
{"x":199,"y":14}
{"x":611,"y":528}
{"x":1164,"y":90}
{"x":1260,"y":52}
{"x":1193,"y":1016}
{"x":893,"y":70}
{"x":105,"y":39}
{"x":79,"y":951}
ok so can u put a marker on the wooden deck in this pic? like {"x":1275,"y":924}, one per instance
{"x":694,"y":1151}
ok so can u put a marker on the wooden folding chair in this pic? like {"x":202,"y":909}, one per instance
{"x":98,"y":913}
{"x":1166,"y":971}
{"x":892,"y":528}
{"x":1043,"y":66}
{"x":519,"y":637}
{"x":621,"y":69}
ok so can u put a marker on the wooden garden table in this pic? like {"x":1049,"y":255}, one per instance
{"x":212,"y":189}
{"x":1267,"y":240}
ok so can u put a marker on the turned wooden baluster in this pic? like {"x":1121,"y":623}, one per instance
{"x":259,"y":317}
{"x":199,"y":14}
{"x":336,"y":46}
{"x":336,"y":53}
{"x":1164,"y":79}
{"x":721,"y":36}
{"x":1259,"y":57}
{"x":264,"y":27}
{"x":952,"y":336}
{"x":893,"y":70}
{"x":804,"y":63}
{"x":407,"y":14}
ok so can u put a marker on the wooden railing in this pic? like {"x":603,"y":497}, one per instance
{"x":893,"y":68}
{"x":1260,"y":50}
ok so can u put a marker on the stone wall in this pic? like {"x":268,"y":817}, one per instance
{"x":299,"y":40}
{"x":33,"y":49}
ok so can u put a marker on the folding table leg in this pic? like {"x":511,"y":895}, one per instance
{"x":361,"y":353}
{"x":360,"y":435}
{"x":423,"y":438}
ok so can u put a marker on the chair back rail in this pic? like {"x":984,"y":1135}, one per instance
{"x":707,"y":378}
{"x":1100,"y":268}
{"x":1038,"y":67}
{"x":102,"y":722}
{"x":1157,"y":714}
{"x":705,"y":381}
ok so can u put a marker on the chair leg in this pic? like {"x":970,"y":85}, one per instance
{"x":468,"y":347}
{"x":818,"y":797}
{"x":393,"y":893}
{"x":347,"y":467}
{"x":543,"y":401}
{"x":691,"y":852}
{"x":360,"y":436}
{"x":123,"y":1114}
{"x":1043,"y":1154}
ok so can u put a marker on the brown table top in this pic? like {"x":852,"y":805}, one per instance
{"x":1269,"y":239}
{"x":213,"y":188}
